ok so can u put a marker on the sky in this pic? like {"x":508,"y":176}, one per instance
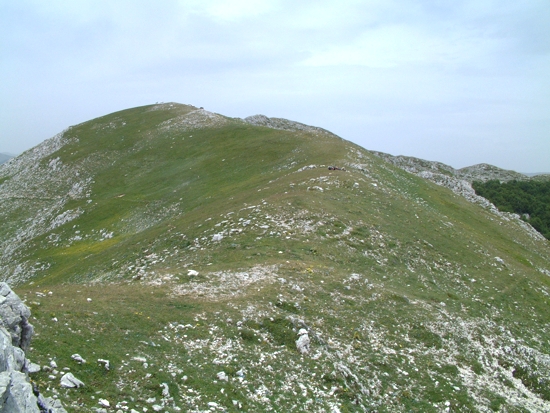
{"x":456,"y":81}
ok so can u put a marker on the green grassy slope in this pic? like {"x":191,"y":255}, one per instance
{"x":414,"y":299}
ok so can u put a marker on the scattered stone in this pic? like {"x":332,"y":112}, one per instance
{"x":222,"y":376}
{"x":104,"y":363}
{"x":104,"y":403}
{"x":69,"y":381}
{"x":32,"y":368}
{"x":78,"y":358}
{"x":192,"y":273}
{"x":302,"y":344}
{"x":165,"y":390}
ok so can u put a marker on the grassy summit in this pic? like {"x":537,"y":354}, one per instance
{"x":205,"y":243}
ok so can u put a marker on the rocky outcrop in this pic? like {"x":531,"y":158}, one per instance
{"x":481,"y":172}
{"x":14,"y":316}
{"x":16,"y":393}
{"x":484,"y":172}
{"x":283,"y":124}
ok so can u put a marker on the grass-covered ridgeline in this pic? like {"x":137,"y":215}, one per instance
{"x":180,"y":244}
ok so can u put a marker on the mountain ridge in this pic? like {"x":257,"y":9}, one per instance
{"x":199,"y":250}
{"x":479,"y":172}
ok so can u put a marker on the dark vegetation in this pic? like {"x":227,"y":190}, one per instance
{"x":530,"y":199}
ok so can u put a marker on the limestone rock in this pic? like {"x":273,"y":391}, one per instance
{"x":11,"y":358}
{"x":16,"y":393}
{"x":14,"y":315}
{"x":165,"y":390}
{"x":302,"y":344}
{"x":54,"y":405}
{"x":32,"y":367}
{"x":222,"y":376}
{"x":78,"y":358}
{"x":70,"y":381}
{"x":104,"y":403}
{"x":104,"y":363}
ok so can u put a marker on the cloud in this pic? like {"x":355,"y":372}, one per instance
{"x":232,"y":10}
{"x":390,"y":46}
{"x":397,"y":75}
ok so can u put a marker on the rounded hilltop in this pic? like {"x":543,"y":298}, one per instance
{"x":220,"y":264}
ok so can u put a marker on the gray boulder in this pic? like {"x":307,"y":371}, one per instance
{"x":70,"y":381}
{"x":302,"y":344}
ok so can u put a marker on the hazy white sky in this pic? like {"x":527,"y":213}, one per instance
{"x":456,"y":81}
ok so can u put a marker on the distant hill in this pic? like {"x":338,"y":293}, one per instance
{"x":220,"y":265}
{"x":4,"y":158}
{"x":543,"y":175}
{"x":481,"y":172}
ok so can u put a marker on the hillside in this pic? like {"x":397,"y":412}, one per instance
{"x":468,"y":182}
{"x":219,"y":265}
